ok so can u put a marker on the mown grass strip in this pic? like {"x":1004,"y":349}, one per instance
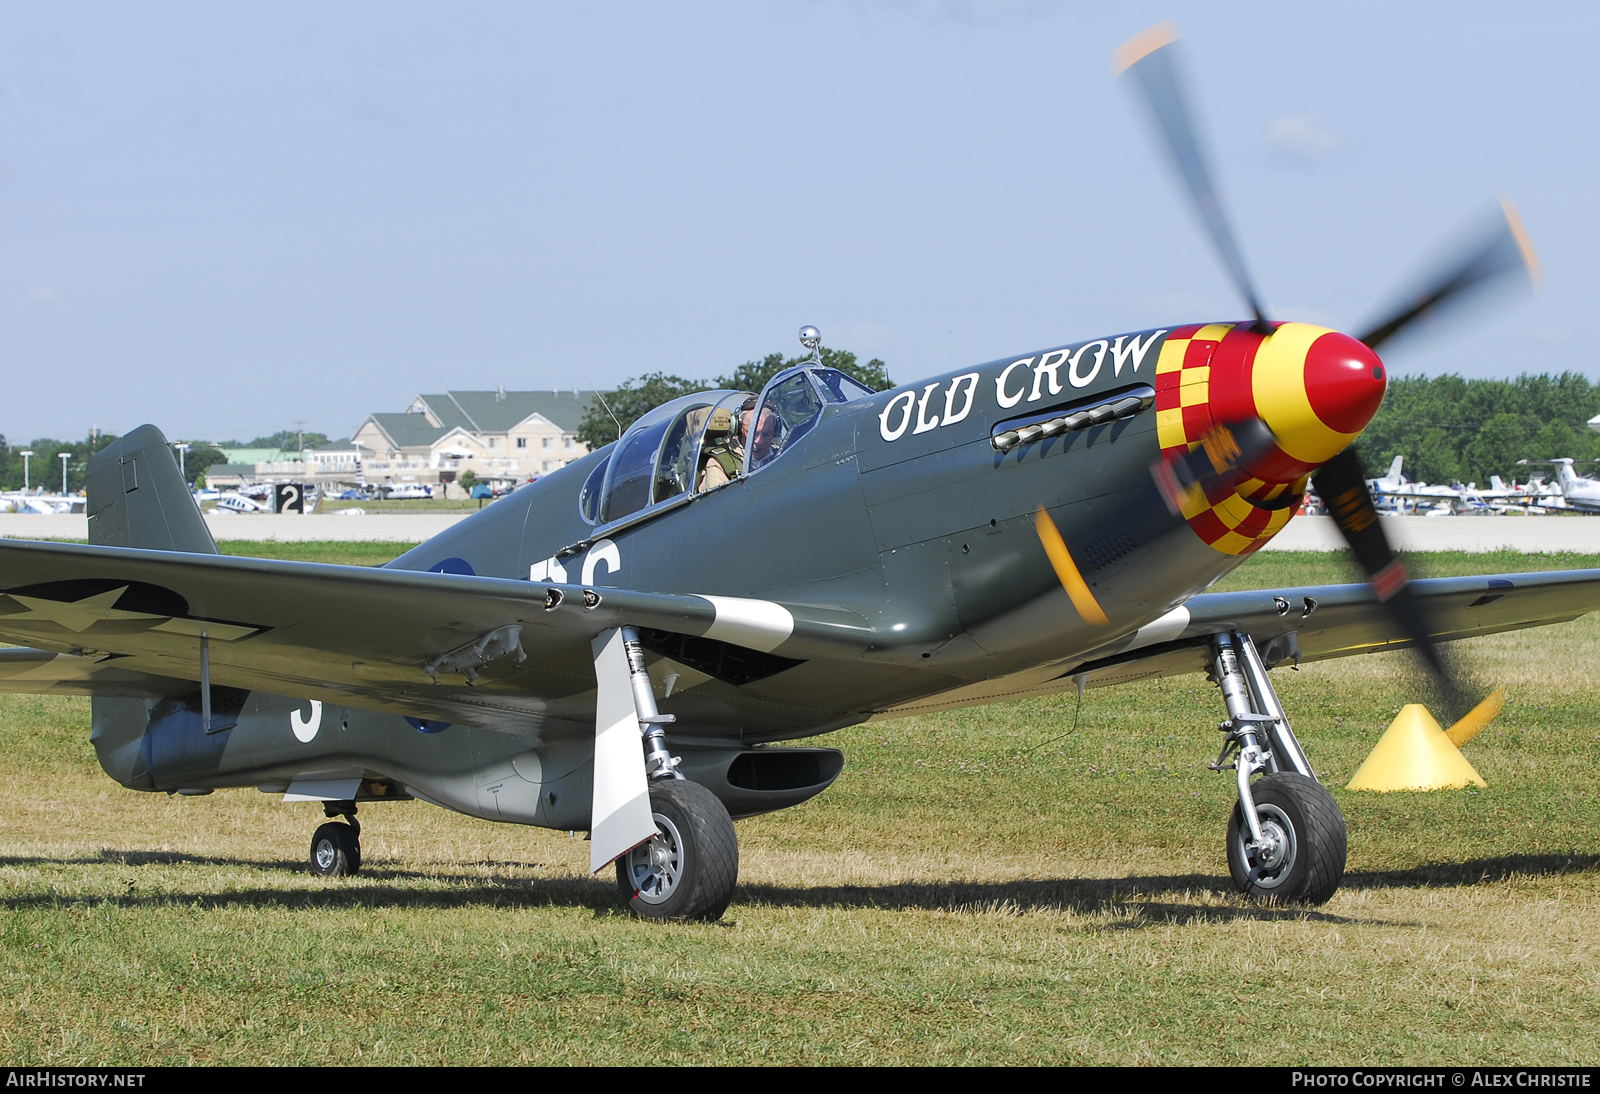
{"x":960,"y":895}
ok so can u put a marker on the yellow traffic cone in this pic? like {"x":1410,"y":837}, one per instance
{"x":1415,"y":754}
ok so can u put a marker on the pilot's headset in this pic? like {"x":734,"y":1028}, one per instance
{"x":721,"y":421}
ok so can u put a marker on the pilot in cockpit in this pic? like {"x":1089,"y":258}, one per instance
{"x":722,"y":452}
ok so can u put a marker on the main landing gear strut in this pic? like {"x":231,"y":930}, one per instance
{"x":689,"y":869}
{"x":1286,"y":837}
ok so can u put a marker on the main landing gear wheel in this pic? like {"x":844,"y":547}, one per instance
{"x":1303,"y":861}
{"x":690,"y":868}
{"x":335,"y":850}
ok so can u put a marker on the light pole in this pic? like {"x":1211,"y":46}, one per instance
{"x":63,"y":457}
{"x":183,"y":448}
{"x":25,"y":454}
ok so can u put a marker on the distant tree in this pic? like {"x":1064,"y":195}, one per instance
{"x":1450,"y":429}
{"x":753,"y":375}
{"x":1500,"y":443}
{"x":613,"y":411}
{"x":638,"y":396}
{"x":45,"y":468}
{"x":1558,"y":439}
{"x":289,"y":440}
{"x":1435,"y":459}
{"x":201,"y":455}
{"x":469,"y":479}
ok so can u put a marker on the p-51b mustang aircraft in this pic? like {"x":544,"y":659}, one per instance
{"x":621,"y":646}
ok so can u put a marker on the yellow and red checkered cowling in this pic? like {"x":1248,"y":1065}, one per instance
{"x":1315,"y":388}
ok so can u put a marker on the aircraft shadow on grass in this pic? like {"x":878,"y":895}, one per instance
{"x":1083,"y":896}
{"x":1135,"y":896}
{"x":1479,"y":871}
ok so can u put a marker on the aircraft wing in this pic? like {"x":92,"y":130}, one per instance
{"x":47,"y":672}
{"x":501,"y":653}
{"x":1343,"y":620}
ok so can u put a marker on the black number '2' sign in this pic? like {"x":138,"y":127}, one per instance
{"x":290,"y":497}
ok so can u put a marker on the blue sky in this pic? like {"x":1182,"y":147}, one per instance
{"x":224,"y":217}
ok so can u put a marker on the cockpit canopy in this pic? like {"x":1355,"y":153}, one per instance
{"x":695,"y":443}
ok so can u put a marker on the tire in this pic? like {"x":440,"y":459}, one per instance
{"x":689,"y":870}
{"x":335,"y":851}
{"x":1311,"y":867}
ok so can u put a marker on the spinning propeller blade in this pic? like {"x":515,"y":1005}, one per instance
{"x":1487,"y":254}
{"x":1342,"y":485}
{"x":1055,"y":548}
{"x":1149,"y":58}
{"x":1486,"y":257}
{"x":1224,"y":448}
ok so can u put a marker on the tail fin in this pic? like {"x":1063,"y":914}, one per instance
{"x":1565,"y":474}
{"x":137,"y":498}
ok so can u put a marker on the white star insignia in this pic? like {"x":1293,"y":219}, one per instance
{"x":78,"y":615}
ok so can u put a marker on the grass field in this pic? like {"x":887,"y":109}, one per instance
{"x":987,"y":885}
{"x":403,"y":505}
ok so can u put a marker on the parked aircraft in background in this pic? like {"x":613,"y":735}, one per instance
{"x":1392,"y":480}
{"x":1579,"y":492}
{"x":37,"y":501}
{"x":238,"y":503}
{"x":1394,"y":495}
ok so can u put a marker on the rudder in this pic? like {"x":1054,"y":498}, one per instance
{"x":137,"y":498}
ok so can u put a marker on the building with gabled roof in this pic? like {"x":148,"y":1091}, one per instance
{"x":506,"y":435}
{"x":501,"y":411}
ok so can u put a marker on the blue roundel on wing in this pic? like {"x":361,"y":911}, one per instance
{"x":452,"y":566}
{"x":422,"y":725}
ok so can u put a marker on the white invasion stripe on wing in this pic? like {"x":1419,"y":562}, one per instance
{"x":755,"y":624}
{"x":1164,"y":629}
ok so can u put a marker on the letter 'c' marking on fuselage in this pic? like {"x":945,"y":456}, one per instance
{"x":1047,"y":365}
{"x":950,"y":416}
{"x":905,"y":418}
{"x":604,"y":551}
{"x":923,"y":424}
{"x":754,"y":624}
{"x":305,"y":729}
{"x":1074,"y":377}
{"x":1000,"y":395}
